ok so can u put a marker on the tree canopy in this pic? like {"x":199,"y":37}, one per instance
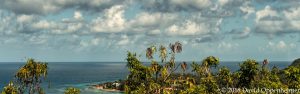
{"x":162,"y":76}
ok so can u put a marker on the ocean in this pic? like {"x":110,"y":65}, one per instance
{"x":82,"y":74}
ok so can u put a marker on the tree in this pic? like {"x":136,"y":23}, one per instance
{"x":150,"y":51}
{"x":163,"y":53}
{"x":30,"y":76}
{"x":72,"y":90}
{"x":10,"y":89}
{"x":140,"y":79}
{"x":139,"y":76}
{"x":207,"y":80}
{"x":224,"y":77}
{"x":296,"y":63}
{"x":249,"y":70}
{"x":267,"y":78}
{"x":209,"y":62}
{"x":292,"y":76}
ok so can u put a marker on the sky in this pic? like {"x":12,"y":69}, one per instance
{"x":104,"y":30}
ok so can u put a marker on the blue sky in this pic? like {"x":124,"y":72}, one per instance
{"x":104,"y":30}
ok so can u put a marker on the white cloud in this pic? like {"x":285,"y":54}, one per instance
{"x":272,"y":22}
{"x":74,"y":27}
{"x":146,"y":21}
{"x":244,"y":34}
{"x":90,"y":42}
{"x":38,"y":39}
{"x":247,"y":9}
{"x":78,"y":15}
{"x":95,"y":41}
{"x":25,"y":18}
{"x":7,"y":25}
{"x":224,"y":45}
{"x":113,"y":20}
{"x":124,"y":40}
{"x":223,"y":2}
{"x":266,"y":12}
{"x":292,"y":13}
{"x":44,"y":24}
{"x":154,"y":32}
{"x":54,"y":6}
{"x":153,"y":19}
{"x":281,"y":46}
{"x":188,"y":28}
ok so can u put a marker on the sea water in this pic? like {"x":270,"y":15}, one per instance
{"x":82,"y":74}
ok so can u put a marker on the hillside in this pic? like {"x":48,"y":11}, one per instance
{"x":296,"y":62}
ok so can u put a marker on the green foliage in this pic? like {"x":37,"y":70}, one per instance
{"x":209,"y":85}
{"x":249,"y":70}
{"x":210,"y":61}
{"x":236,"y":76}
{"x":139,"y":74}
{"x":224,"y":77}
{"x":202,"y":80}
{"x":28,"y":79}
{"x":292,"y":76}
{"x":10,"y":89}
{"x":141,"y":78}
{"x":196,"y":68}
{"x":269,"y":79}
{"x":208,"y":82}
{"x":30,"y":76}
{"x":72,"y":90}
{"x":296,"y":63}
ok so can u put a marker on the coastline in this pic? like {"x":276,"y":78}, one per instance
{"x":100,"y":87}
{"x":116,"y":86}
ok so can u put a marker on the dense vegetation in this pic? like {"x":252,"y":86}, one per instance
{"x":161,"y":76}
{"x":296,"y":63}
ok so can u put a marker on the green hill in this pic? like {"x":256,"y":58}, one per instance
{"x":296,"y":62}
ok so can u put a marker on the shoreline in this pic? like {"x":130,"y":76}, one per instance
{"x":102,"y":88}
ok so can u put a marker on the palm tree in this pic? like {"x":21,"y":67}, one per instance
{"x":30,"y":76}
{"x":10,"y":89}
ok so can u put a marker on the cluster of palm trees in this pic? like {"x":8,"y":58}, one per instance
{"x":162,"y":77}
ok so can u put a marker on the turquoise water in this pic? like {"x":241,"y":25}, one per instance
{"x":66,"y":74}
{"x":82,"y":74}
